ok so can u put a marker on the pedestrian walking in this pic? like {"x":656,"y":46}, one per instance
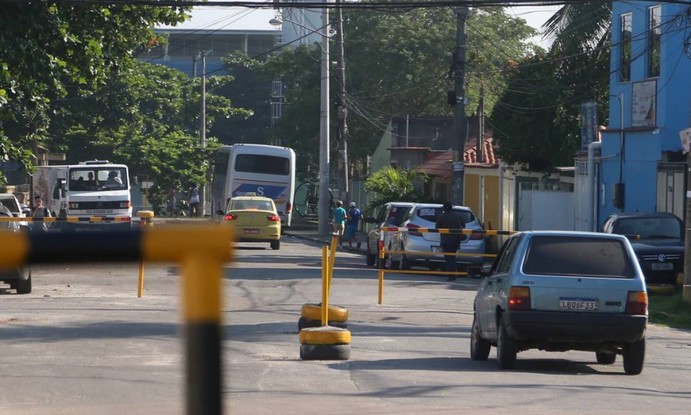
{"x":352,"y":222}
{"x":339,"y":217}
{"x":194,"y":200}
{"x":40,"y":210}
{"x":450,"y":242}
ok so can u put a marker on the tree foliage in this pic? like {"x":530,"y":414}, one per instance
{"x":397,"y":63}
{"x":152,"y":124}
{"x":391,"y":183}
{"x":537,"y":121}
{"x":51,"y":50}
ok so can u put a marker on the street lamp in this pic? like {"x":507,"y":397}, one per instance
{"x":324,"y":162}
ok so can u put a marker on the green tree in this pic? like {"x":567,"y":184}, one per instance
{"x":391,"y":184}
{"x":148,"y":118}
{"x":537,"y":121}
{"x":48,"y":49}
{"x":397,"y":63}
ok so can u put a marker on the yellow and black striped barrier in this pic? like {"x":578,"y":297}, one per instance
{"x":383,"y":252}
{"x":69,"y":219}
{"x":450,"y":231}
{"x":201,"y":251}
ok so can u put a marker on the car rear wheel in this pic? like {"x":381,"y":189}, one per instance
{"x":405,"y":263}
{"x":634,"y":355}
{"x":479,"y":347}
{"x":605,"y":358}
{"x":275,"y":245}
{"x":506,"y":348}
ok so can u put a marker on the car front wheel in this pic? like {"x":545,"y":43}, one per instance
{"x":479,"y":347}
{"x":23,"y":285}
{"x":506,"y":348}
{"x":371,"y":258}
{"x":634,"y":355}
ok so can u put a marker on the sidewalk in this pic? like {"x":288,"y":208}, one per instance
{"x":308,"y":228}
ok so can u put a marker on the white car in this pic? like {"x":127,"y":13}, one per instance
{"x":10,"y":201}
{"x":391,"y":214}
{"x":423,"y":248}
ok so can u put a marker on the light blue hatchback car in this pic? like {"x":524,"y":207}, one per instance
{"x":559,"y":291}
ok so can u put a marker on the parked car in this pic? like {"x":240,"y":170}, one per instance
{"x":255,"y":219}
{"x":389,"y":215}
{"x":19,"y":278}
{"x":559,"y":291}
{"x":418,"y":246}
{"x":18,"y":210}
{"x":658,"y":240}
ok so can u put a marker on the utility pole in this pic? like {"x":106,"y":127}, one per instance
{"x":481,"y":125}
{"x":342,"y":111}
{"x":686,"y":286}
{"x":459,"y":120}
{"x":202,"y":189}
{"x":324,"y":161}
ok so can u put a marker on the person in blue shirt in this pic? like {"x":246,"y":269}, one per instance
{"x":339,"y":217}
{"x":352,"y":222}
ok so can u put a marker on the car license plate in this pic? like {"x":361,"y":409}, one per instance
{"x":251,"y":231}
{"x":578,"y":304}
{"x":662,"y":266}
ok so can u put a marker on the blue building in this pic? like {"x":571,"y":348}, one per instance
{"x":642,"y":164}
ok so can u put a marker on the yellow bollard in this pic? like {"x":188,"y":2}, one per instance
{"x":146,"y":218}
{"x":325,"y":286}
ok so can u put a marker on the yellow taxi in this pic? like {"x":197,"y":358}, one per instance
{"x":255,"y":219}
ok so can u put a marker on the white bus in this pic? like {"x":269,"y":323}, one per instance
{"x":254,"y":168}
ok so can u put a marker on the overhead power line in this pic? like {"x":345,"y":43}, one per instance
{"x":376,"y":4}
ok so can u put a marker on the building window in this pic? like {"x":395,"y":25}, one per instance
{"x":625,"y":47}
{"x":654,"y":32}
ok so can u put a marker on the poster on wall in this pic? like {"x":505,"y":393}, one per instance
{"x":644,"y":104}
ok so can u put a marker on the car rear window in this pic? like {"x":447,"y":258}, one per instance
{"x":431,"y":213}
{"x":396,"y":214}
{"x":250,"y":205}
{"x":660,"y":227}
{"x":582,"y":256}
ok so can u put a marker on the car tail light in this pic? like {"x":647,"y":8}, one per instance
{"x":273,"y":218}
{"x":476,"y":236}
{"x":411,"y":229}
{"x":519,"y":298}
{"x":637,"y":303}
{"x":289,"y":207}
{"x":230,"y":216}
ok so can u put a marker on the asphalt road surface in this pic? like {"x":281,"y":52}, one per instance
{"x":83,"y":343}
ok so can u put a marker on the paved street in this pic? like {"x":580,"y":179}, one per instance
{"x":83,"y":343}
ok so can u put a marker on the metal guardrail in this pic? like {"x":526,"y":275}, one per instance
{"x":200,"y":250}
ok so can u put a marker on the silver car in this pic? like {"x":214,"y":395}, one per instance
{"x":423,"y":248}
{"x":559,"y":291}
{"x":391,"y":214}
